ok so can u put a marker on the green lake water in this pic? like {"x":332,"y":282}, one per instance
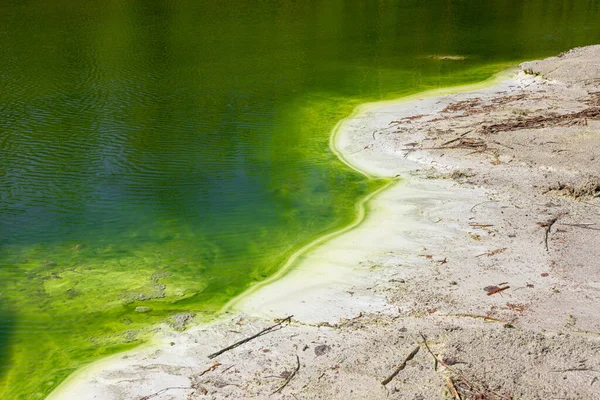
{"x":170,"y":153}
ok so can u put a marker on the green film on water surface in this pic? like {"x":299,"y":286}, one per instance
{"x":159,"y":157}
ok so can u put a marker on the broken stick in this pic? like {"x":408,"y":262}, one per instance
{"x":452,"y":388}
{"x":497,"y":290}
{"x":435,"y":365}
{"x":401,"y":367}
{"x":246,"y":340}
{"x":548,"y":226}
{"x":166,"y":390}
{"x":289,"y":378}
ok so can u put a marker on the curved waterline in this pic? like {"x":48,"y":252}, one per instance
{"x":361,"y":208}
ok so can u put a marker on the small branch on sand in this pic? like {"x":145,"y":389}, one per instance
{"x":543,"y":121}
{"x":435,"y":364}
{"x":483,"y":202}
{"x":492,"y":252}
{"x":246,"y":340}
{"x":290,"y":377}
{"x":584,"y":226}
{"x":590,"y":204}
{"x":497,"y":290}
{"x":484,"y":317}
{"x":460,"y":143}
{"x":457,"y":139}
{"x":166,"y":390}
{"x":452,"y":388}
{"x":548,"y":225}
{"x":212,"y":367}
{"x":228,"y":368}
{"x":401,"y":367}
{"x":461,"y":383}
{"x":575,"y":369}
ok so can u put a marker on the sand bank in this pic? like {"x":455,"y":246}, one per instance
{"x":488,"y":246}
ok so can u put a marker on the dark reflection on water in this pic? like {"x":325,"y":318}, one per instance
{"x":170,"y":153}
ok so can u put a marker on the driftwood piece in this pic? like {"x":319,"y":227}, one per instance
{"x":246,"y":340}
{"x":401,"y":367}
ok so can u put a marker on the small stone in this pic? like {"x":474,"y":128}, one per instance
{"x":142,"y":309}
{"x":322,"y":349}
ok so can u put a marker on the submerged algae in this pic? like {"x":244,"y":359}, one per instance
{"x":80,"y":299}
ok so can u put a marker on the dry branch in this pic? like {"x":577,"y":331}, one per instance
{"x":548,"y":225}
{"x":476,"y":316}
{"x":401,"y":367}
{"x":497,"y":290}
{"x":570,"y":119}
{"x":290,"y":377}
{"x":492,"y":252}
{"x":461,"y":143}
{"x":452,"y":388}
{"x":435,"y":365}
{"x":166,"y":390}
{"x":246,"y":340}
{"x":461,"y":383}
{"x":212,"y":367}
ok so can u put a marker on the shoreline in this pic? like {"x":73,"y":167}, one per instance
{"x":494,"y":80}
{"x":404,"y":270}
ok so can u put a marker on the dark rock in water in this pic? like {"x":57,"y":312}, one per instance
{"x":322,"y":349}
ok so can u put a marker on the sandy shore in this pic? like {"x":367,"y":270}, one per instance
{"x":489,"y":246}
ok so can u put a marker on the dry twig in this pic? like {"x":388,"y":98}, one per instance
{"x":497,"y":290}
{"x":452,"y":388}
{"x":212,"y":367}
{"x":477,"y":391}
{"x":166,"y":390}
{"x":435,"y":365}
{"x":484,"y":317}
{"x":548,"y":225}
{"x":492,"y":252}
{"x":401,"y":367}
{"x":246,"y":340}
{"x":290,"y":377}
